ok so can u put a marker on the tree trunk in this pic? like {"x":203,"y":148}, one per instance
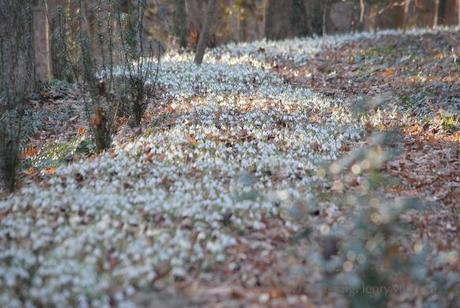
{"x":286,"y":19}
{"x":17,"y":80}
{"x":180,"y":22}
{"x":406,"y":12}
{"x":362,"y":9}
{"x":242,"y":25}
{"x":458,"y":12}
{"x":17,"y":49}
{"x":41,"y":40}
{"x":55,"y":13}
{"x":442,"y":12}
{"x":314,"y":16}
{"x":436,"y":13}
{"x":325,"y":12}
{"x":204,"y":33}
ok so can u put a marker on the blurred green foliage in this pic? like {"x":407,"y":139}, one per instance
{"x":364,"y":257}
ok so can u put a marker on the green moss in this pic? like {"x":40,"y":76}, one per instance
{"x":450,"y":122}
{"x":57,"y":154}
{"x":380,"y":51}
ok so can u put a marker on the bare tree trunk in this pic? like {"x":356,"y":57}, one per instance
{"x":325,"y":11}
{"x":204,"y":35}
{"x":41,"y":39}
{"x":406,"y":12}
{"x":361,"y":12}
{"x":17,"y":48}
{"x":458,"y":11}
{"x":17,"y":80}
{"x":55,"y":13}
{"x":180,"y":22}
{"x":278,"y":16}
{"x":242,"y":25}
{"x":436,"y":13}
{"x":286,"y":19}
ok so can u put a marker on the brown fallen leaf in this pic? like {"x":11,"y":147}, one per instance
{"x":49,"y":171}
{"x":345,"y":148}
{"x":277,"y":293}
{"x":150,"y":156}
{"x":389,"y":72}
{"x":317,"y":147}
{"x":29,"y":153}
{"x":192,"y":141}
{"x":32,"y":171}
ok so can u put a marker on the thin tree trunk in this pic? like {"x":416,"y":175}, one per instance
{"x":41,"y":39}
{"x":180,"y":22}
{"x":204,"y":35}
{"x":436,"y":13}
{"x":442,"y":12}
{"x":242,"y":26}
{"x":406,"y":13}
{"x":458,"y":12}
{"x":265,"y":7}
{"x":324,"y":21}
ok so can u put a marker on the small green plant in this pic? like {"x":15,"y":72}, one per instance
{"x":408,"y":102}
{"x":450,"y":122}
{"x":60,"y":153}
{"x":383,"y":51}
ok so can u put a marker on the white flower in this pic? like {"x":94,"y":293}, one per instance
{"x":234,"y":116}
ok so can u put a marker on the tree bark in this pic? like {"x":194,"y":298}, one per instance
{"x":17,"y":49}
{"x":286,"y":19}
{"x":180,"y":22}
{"x":436,"y":13}
{"x":325,"y":12}
{"x":406,"y":12}
{"x":442,"y":12}
{"x":204,"y":35}
{"x":458,"y":12}
{"x":41,"y":39}
{"x":362,"y":9}
{"x":55,"y":13}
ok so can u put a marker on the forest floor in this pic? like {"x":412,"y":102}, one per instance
{"x":260,"y":178}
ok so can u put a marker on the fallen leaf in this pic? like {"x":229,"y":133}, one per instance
{"x":192,"y":141}
{"x":345,"y":148}
{"x":150,"y":156}
{"x":32,"y":171}
{"x":456,"y":136}
{"x":389,"y":72}
{"x":50,"y":171}
{"x":439,"y":56}
{"x":81,"y":130}
{"x":316,"y":147}
{"x":29,"y":153}
{"x":277,"y":293}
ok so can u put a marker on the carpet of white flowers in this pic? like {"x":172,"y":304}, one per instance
{"x":242,"y":142}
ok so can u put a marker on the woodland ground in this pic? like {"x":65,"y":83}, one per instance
{"x":228,"y":194}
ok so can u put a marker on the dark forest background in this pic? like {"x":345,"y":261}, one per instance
{"x":178,"y":23}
